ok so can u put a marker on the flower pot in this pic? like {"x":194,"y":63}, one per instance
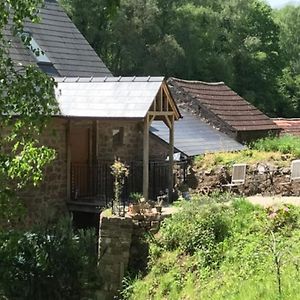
{"x":134,"y":209}
{"x":158,"y":209}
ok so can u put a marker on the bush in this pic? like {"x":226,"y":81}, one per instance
{"x":49,"y":263}
{"x":212,"y":251}
{"x":286,"y":144}
{"x":199,"y":227}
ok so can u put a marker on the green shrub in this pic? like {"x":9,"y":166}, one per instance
{"x":286,"y":144}
{"x":236,"y":251}
{"x":49,"y":263}
{"x":199,"y":227}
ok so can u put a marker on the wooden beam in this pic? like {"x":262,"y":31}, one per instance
{"x":161,"y":113}
{"x":169,"y":97}
{"x":168,"y":122}
{"x":68,"y":154}
{"x":146,"y":158}
{"x":161,"y":100}
{"x":151,"y":118}
{"x":171,"y":162}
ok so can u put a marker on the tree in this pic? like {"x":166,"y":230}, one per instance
{"x":288,"y":19}
{"x":94,"y":19}
{"x":252,"y":45}
{"x":26,"y":102}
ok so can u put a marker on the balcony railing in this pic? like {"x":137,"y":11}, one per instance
{"x":94,"y":182}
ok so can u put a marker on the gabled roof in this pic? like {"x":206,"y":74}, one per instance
{"x":193,"y":136}
{"x":289,"y":126}
{"x":64,"y":45}
{"x":109,"y":97}
{"x":226,"y":105}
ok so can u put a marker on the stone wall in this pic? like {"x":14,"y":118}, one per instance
{"x":132,"y":147}
{"x":122,"y":247}
{"x":48,"y":199}
{"x":261,"y":178}
{"x":158,"y":149}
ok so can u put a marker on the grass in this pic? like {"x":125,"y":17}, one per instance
{"x":286,"y":144}
{"x":210,"y":250}
{"x":245,"y":156}
{"x":277,"y":151}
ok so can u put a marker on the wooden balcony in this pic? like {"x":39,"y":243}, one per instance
{"x":92,"y":184}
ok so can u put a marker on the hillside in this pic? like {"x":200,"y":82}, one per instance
{"x":223,"y":248}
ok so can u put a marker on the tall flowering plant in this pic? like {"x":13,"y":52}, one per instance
{"x":120,"y":171}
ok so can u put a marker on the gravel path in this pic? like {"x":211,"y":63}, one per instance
{"x":275,"y":200}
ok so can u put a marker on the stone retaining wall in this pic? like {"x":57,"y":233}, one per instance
{"x":261,"y":178}
{"x":122,"y":246}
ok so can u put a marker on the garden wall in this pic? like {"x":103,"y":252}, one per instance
{"x":261,"y":178}
{"x":122,"y":247}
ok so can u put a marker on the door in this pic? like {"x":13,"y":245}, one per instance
{"x":80,"y":161}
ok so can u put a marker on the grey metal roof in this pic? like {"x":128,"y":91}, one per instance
{"x":193,"y":136}
{"x":64,"y":45}
{"x":107,"y":97}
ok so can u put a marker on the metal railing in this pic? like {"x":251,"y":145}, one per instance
{"x":94,"y":182}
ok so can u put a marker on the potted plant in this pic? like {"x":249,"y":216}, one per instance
{"x":134,"y":206}
{"x":159,"y":203}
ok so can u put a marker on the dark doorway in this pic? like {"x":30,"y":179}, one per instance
{"x":84,"y":220}
{"x":80,"y":147}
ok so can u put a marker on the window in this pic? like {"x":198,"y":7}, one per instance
{"x":34,"y":47}
{"x":42,"y":59}
{"x":118,"y":136}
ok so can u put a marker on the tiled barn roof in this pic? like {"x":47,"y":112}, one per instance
{"x":66,"y":48}
{"x":289,"y":126}
{"x":226,"y":105}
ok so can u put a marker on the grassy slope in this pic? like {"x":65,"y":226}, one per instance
{"x":277,"y":151}
{"x":217,"y":251}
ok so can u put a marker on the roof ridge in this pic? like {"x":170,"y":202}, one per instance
{"x":286,"y":119}
{"x":197,"y":81}
{"x":88,"y":79}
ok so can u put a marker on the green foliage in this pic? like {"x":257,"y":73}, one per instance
{"x":267,"y":150}
{"x":241,"y":42}
{"x":26,"y":102}
{"x":52,"y":263}
{"x":286,"y":144}
{"x":257,"y":252}
{"x":119,"y":171}
{"x":135,"y":197}
{"x":208,"y":229}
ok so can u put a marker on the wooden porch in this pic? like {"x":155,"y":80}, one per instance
{"x":92,"y":185}
{"x":119,"y":101}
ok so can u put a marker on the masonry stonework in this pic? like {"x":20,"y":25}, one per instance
{"x":121,"y":247}
{"x":261,"y":178}
{"x":131,"y":149}
{"x":48,"y":199}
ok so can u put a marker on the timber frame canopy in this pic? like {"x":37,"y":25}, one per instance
{"x":127,"y":98}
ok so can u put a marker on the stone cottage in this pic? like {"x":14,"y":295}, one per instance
{"x":101,"y":117}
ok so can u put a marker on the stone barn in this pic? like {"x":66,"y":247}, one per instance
{"x":100,"y":119}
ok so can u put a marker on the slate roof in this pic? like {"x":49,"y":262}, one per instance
{"x":289,"y":126}
{"x":226,"y":105}
{"x":193,"y":136}
{"x":64,"y":45}
{"x":107,"y":97}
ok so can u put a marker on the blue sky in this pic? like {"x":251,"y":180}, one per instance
{"x":280,"y":3}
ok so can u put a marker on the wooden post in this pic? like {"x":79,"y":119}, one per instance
{"x":68,"y":153}
{"x":146,"y":158}
{"x":171,"y":153}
